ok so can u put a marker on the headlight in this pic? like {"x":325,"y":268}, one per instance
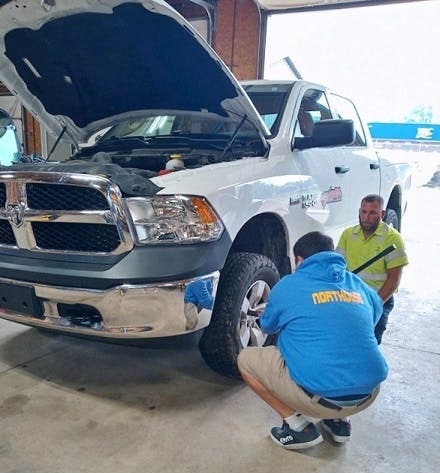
{"x":173,"y":219}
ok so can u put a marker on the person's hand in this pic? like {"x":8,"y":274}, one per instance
{"x":260,"y":308}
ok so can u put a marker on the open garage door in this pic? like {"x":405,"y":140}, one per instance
{"x":383,"y":57}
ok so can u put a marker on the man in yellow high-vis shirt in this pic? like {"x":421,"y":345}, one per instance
{"x":361,"y":242}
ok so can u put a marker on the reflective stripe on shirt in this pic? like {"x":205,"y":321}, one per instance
{"x":396,"y":254}
{"x":372,"y":276}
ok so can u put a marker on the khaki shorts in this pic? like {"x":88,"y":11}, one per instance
{"x":268,"y":367}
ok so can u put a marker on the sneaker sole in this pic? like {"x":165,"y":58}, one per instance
{"x":298,"y":446}
{"x":336,"y":438}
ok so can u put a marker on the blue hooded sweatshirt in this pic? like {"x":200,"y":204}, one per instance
{"x":325,"y":317}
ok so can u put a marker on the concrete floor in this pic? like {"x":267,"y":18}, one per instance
{"x":71,"y":405}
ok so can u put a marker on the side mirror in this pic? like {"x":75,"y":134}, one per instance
{"x":9,"y":144}
{"x":328,"y":133}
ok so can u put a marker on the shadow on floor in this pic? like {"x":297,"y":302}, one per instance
{"x":127,"y":374}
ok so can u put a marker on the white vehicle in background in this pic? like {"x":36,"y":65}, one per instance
{"x":182,"y":215}
{"x":9,"y":143}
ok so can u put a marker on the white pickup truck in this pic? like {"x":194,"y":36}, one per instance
{"x":178,"y":208}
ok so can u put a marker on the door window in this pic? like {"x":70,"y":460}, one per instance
{"x":314,"y":108}
{"x":345,"y":108}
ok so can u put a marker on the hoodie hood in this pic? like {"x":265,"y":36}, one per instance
{"x":84,"y":65}
{"x":327,"y":265}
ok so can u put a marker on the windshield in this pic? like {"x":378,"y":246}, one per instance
{"x":149,"y":140}
{"x":269,"y":100}
{"x":175,"y":124}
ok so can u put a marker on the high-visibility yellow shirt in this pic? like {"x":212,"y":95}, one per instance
{"x":357,"y":250}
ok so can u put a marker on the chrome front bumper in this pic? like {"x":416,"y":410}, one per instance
{"x":125,"y":312}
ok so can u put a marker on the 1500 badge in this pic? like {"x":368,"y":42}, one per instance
{"x":308,"y":200}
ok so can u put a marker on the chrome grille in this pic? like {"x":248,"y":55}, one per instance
{"x":76,"y":237}
{"x":62,"y":213}
{"x":62,"y":197}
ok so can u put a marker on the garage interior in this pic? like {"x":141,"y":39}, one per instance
{"x":74,"y":405}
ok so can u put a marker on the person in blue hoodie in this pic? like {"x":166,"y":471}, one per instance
{"x":327,"y":363}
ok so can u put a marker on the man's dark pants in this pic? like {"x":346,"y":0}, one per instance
{"x":382,"y":324}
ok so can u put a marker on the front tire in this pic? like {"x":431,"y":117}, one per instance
{"x":244,"y":287}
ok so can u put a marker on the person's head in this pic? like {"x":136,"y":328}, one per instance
{"x":310,"y":244}
{"x":371,"y":213}
{"x":306,"y":123}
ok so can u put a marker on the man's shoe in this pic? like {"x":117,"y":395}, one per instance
{"x":339,"y":429}
{"x":290,"y":439}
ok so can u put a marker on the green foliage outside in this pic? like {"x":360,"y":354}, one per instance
{"x":420,"y":114}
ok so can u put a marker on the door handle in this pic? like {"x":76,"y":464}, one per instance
{"x":374,"y":166}
{"x":341,"y":169}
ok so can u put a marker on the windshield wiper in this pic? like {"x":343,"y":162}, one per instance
{"x":122,"y":139}
{"x":233,"y":136}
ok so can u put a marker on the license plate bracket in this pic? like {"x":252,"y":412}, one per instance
{"x":21,"y":299}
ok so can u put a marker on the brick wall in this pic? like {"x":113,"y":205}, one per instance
{"x":237,"y":37}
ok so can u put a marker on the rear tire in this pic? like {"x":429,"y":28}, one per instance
{"x":392,"y":219}
{"x":244,"y":286}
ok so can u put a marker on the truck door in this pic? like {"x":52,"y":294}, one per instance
{"x":362,"y":174}
{"x":324,"y":184}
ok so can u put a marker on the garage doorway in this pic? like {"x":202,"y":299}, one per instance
{"x":384,"y":57}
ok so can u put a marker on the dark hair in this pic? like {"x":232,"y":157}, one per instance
{"x":311,"y":243}
{"x":373,"y":198}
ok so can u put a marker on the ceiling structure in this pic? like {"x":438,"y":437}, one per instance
{"x":295,"y":5}
{"x":274,"y":6}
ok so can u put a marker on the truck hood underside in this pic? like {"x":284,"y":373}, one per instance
{"x":85,"y":64}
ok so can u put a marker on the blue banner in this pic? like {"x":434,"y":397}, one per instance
{"x":405,"y":131}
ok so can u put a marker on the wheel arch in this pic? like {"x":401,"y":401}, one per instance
{"x":265,"y":234}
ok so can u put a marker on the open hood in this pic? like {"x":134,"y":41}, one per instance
{"x":86,"y":64}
